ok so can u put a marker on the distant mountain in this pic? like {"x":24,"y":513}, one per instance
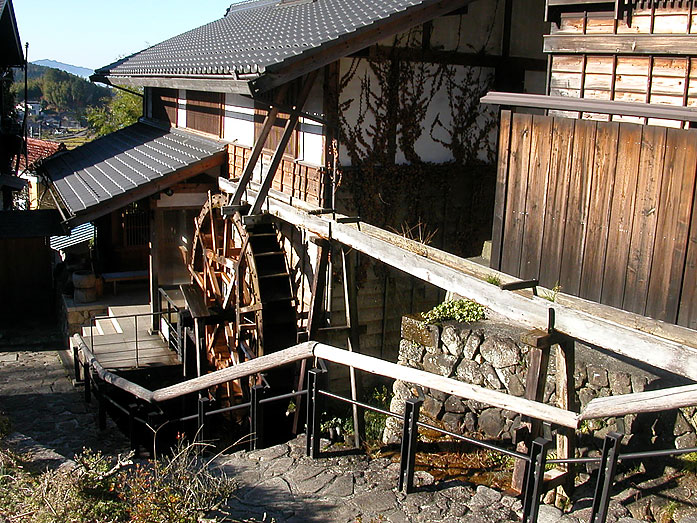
{"x":72,"y":69}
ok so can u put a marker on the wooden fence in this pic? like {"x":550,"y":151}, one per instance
{"x":604,"y":210}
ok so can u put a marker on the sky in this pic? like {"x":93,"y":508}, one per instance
{"x":89,"y":33}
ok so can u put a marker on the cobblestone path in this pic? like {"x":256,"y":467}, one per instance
{"x":282,"y":484}
{"x":37,"y":395}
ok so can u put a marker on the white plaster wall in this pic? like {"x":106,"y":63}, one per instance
{"x":181,"y":108}
{"x":238,"y":125}
{"x":428,"y":148}
{"x":310,"y":136}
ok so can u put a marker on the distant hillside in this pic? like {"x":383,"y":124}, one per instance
{"x":58,"y":90}
{"x":72,"y":69}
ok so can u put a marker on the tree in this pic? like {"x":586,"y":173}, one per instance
{"x":121,"y":110}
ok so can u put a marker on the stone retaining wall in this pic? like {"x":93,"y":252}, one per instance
{"x":489,"y":353}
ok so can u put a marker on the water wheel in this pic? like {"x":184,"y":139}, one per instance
{"x":240,"y":266}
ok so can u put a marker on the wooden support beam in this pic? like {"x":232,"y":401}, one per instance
{"x":565,"y":355}
{"x":538,"y":366}
{"x":442,"y":270}
{"x":632,"y":44}
{"x":283,"y":143}
{"x":251,"y":164}
{"x":154,"y":264}
{"x":348,"y":264}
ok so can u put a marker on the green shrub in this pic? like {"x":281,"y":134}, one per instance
{"x":459,"y":310}
{"x":375,"y":421}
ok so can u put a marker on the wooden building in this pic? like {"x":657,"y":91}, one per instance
{"x":597,"y":198}
{"x":295,"y":88}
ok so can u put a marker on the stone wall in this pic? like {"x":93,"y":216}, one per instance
{"x":489,"y":353}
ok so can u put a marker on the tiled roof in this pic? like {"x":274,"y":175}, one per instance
{"x":258,"y":34}
{"x":122,"y":161}
{"x":80,"y":234}
{"x":38,"y":150}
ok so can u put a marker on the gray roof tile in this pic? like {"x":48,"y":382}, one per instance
{"x":121,"y":161}
{"x":256,"y":35}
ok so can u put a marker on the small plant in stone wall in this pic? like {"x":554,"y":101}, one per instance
{"x":374,"y":421}
{"x":464,"y":310}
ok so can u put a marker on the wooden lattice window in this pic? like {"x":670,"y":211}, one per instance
{"x":204,"y":111}
{"x":135,"y":225}
{"x":164,"y":105}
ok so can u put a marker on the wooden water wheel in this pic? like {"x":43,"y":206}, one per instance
{"x":240,"y":266}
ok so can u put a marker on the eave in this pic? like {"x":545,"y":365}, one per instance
{"x":216,"y":84}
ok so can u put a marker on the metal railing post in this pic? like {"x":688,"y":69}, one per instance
{"x":93,"y":321}
{"x":135,"y":324}
{"x":101,"y":411}
{"x":312,"y":427}
{"x":76,"y":363}
{"x":154,"y":419}
{"x":606,"y":474}
{"x":132,"y":436}
{"x":203,"y":408}
{"x":534,"y":479}
{"x":256,"y":418}
{"x":88,"y":385}
{"x":410,"y":432}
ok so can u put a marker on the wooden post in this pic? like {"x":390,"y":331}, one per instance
{"x":259,"y":146}
{"x":155,"y":215}
{"x":351,"y":303}
{"x":566,"y":399}
{"x":538,"y":365}
{"x":319,"y":284}
{"x":283,"y":143}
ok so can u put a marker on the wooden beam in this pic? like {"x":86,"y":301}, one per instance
{"x":251,"y":164}
{"x":207,"y":84}
{"x":533,"y":312}
{"x":591,"y":105}
{"x":353,"y":341}
{"x":630,"y":44}
{"x":641,"y":402}
{"x":283,"y":143}
{"x":147,"y":189}
{"x":494,"y":398}
{"x":154,"y":266}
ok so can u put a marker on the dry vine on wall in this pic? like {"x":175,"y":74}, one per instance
{"x":390,"y":114}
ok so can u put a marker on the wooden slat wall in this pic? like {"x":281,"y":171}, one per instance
{"x":297,"y":179}
{"x":605,"y":210}
{"x":656,"y":78}
{"x":204,"y":111}
{"x":164,"y":105}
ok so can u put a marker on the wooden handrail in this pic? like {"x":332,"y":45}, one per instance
{"x":109,"y":377}
{"x":643,"y":402}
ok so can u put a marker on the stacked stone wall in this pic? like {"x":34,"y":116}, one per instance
{"x":490,"y":354}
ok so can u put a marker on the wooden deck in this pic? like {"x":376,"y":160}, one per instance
{"x":125,"y":344}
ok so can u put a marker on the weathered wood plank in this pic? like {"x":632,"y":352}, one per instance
{"x":536,"y":198}
{"x":521,"y":140}
{"x":621,"y":44}
{"x":641,"y":402}
{"x":497,"y":235}
{"x":621,"y":214}
{"x":379,"y":367}
{"x":644,"y":221}
{"x":687,"y":315}
{"x":577,"y":210}
{"x":425,"y":263}
{"x":601,"y":195}
{"x":673,"y":222}
{"x":557,"y":195}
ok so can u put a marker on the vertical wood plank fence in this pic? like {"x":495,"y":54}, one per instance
{"x":605,"y":210}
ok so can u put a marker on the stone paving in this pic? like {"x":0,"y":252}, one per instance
{"x":38,"y":396}
{"x":282,"y":484}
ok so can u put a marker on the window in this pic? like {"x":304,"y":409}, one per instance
{"x":204,"y":111}
{"x":164,"y":105}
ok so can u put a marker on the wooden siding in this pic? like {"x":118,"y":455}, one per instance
{"x":164,"y":105}
{"x":294,"y":178}
{"x":631,"y":60}
{"x":605,"y":210}
{"x":204,"y":111}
